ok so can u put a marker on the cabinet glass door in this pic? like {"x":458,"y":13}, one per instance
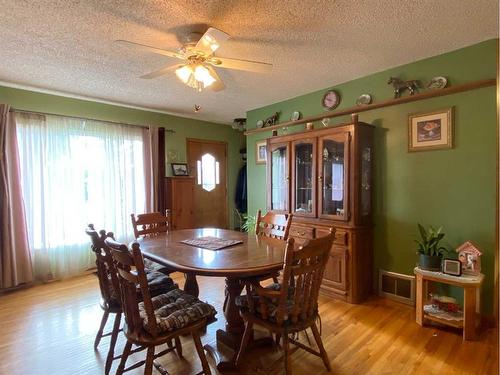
{"x":304,"y":177}
{"x":333,"y":177}
{"x":279,"y":177}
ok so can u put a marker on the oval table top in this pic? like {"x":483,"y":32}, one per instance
{"x":254,"y":256}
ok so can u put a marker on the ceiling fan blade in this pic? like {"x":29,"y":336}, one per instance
{"x":160,"y":72}
{"x":144,"y":47}
{"x":247,"y":65}
{"x":218,"y":85}
{"x":210,"y":41}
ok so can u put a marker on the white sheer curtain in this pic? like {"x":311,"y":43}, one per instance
{"x":76,"y":172}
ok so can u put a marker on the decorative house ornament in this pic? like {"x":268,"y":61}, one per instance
{"x":272,"y":120}
{"x":399,"y":86}
{"x":437,"y":83}
{"x":470,"y":257}
{"x":331,"y":100}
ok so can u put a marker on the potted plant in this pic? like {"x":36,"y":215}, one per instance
{"x":429,"y":250}
{"x":249,"y":224}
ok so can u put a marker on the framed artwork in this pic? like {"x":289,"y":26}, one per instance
{"x":430,"y":131}
{"x":452,"y":267}
{"x":180,"y":169}
{"x":260,"y":152}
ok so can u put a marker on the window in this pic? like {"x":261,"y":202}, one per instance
{"x":208,"y":172}
{"x":75,"y":172}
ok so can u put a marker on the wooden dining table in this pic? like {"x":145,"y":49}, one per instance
{"x":254,"y":256}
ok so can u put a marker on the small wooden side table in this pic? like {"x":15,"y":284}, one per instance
{"x":472,"y":292}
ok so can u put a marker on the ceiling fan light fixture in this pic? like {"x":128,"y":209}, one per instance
{"x":196,"y":76}
{"x":184,"y":73}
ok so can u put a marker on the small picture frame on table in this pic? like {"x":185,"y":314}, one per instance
{"x":430,"y":131}
{"x":260,"y":152}
{"x":452,"y":267}
{"x":180,"y":169}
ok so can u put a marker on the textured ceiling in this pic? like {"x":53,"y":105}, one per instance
{"x":67,"y":46}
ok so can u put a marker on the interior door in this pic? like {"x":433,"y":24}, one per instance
{"x":208,"y":163}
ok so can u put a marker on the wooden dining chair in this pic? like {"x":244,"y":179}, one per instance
{"x":293,"y":306}
{"x":158,"y":320}
{"x":150,"y":225}
{"x":273,"y":225}
{"x":110,"y":289}
{"x":276,"y":226}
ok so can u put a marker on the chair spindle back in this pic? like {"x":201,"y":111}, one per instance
{"x":151,"y":224}
{"x":132,"y":277}
{"x":273,"y":225}
{"x":106,"y":271}
{"x":302,"y":275}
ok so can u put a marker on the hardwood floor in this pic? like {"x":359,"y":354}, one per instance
{"x":49,"y":329}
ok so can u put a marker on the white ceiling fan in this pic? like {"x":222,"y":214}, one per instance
{"x":197,"y":54}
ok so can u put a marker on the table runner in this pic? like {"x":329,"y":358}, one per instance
{"x":211,"y":243}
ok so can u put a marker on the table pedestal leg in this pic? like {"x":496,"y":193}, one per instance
{"x":191,"y":285}
{"x":229,"y":340}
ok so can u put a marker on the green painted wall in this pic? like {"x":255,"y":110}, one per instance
{"x":453,"y":188}
{"x":184,"y":127}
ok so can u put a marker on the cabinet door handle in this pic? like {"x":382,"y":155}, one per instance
{"x":320,"y":178}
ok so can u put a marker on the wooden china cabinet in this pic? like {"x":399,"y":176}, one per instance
{"x":324,"y":177}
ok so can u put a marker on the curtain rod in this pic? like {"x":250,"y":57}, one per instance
{"x":85,"y":118}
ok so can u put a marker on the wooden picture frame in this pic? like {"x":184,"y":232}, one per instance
{"x":180,"y":169}
{"x":452,"y":267}
{"x":260,"y":152}
{"x":431,"y":130}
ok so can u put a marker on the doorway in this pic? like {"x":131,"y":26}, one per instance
{"x":208,"y":163}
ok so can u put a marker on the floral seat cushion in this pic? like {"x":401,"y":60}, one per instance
{"x":176,"y":309}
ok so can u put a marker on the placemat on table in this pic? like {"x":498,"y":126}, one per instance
{"x":211,"y":243}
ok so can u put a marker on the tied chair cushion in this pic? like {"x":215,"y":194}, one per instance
{"x":272,"y":304}
{"x":149,"y":266}
{"x":176,"y":309}
{"x":158,"y":283}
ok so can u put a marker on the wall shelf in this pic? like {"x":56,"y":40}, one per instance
{"x":387,"y":103}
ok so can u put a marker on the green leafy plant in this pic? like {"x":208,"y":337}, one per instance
{"x":429,"y":243}
{"x":249,"y":224}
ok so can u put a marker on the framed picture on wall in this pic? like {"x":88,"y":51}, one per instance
{"x":180,"y":169}
{"x":260,"y":152}
{"x":430,"y":131}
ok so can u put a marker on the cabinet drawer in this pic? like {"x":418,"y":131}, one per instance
{"x":341,"y":236}
{"x":301,"y":232}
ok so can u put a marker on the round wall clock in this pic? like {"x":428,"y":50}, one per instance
{"x":331,"y":100}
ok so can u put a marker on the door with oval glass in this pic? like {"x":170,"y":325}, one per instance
{"x":208,"y":163}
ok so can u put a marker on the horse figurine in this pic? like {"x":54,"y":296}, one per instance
{"x":399,"y":85}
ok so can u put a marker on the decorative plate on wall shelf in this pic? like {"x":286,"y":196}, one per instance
{"x":260,"y":124}
{"x":364,"y":99}
{"x":295,"y":116}
{"x":331,"y":100}
{"x":437,"y":83}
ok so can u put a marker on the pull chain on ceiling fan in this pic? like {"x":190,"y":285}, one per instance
{"x":197,"y":71}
